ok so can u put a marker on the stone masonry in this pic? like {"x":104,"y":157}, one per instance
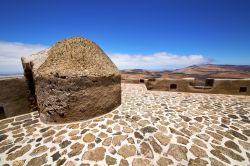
{"x":73,"y":80}
{"x":149,"y":128}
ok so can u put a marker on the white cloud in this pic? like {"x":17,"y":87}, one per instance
{"x":11,"y":53}
{"x":156,"y":61}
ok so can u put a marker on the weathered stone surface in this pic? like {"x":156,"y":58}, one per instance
{"x":76,"y":149}
{"x":174,"y":131}
{"x":69,"y":163}
{"x":3,"y":137}
{"x":199,"y":119}
{"x":248,"y":156}
{"x":148,"y":129}
{"x":118,"y":139}
{"x":229,"y":153}
{"x":163,"y":139}
{"x":215,"y":162}
{"x":146,"y":150}
{"x":49,"y":139}
{"x":29,"y":123}
{"x":123,"y":162}
{"x":140,"y":162}
{"x":98,"y":140}
{"x":14,"y":148}
{"x":58,"y":140}
{"x":91,"y":146}
{"x":232,"y":145}
{"x":197,"y":162}
{"x":89,"y":138}
{"x":61,"y":132}
{"x":61,"y":161}
{"x":182,"y":140}
{"x":49,"y":133}
{"x":96,"y":154}
{"x":185,"y":118}
{"x":74,"y":80}
{"x":84,"y":164}
{"x":73,"y":126}
{"x":39,"y":150}
{"x":112,"y":150}
{"x":6,"y":147}
{"x":245,"y":145}
{"x":56,"y":156}
{"x":198,"y":152}
{"x":107,"y":141}
{"x":131,"y":140}
{"x":127,"y":151}
{"x":238,"y":135}
{"x":143,"y":123}
{"x":23,"y":117}
{"x":214,"y":135}
{"x":18,"y":162}
{"x":6,"y":121}
{"x":103,"y":135}
{"x":178,"y":152}
{"x":157,"y":148}
{"x":127,"y":129}
{"x":199,"y":142}
{"x":38,"y":160}
{"x":44,"y":129}
{"x":64,"y":144}
{"x":110,"y":160}
{"x":246,"y":132}
{"x":220,"y":156}
{"x":164,"y":161}
{"x":18,"y":153}
{"x":73,"y":133}
{"x":138,"y":135}
{"x":205,"y":137}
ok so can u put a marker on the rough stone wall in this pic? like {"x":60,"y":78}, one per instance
{"x":133,"y":81}
{"x":74,"y":80}
{"x":220,"y":86}
{"x":14,"y":97}
{"x":73,"y":99}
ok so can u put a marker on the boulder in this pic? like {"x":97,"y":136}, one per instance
{"x":73,"y":80}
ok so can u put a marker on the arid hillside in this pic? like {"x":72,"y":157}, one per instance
{"x":206,"y":71}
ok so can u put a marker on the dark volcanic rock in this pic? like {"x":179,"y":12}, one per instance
{"x":56,"y":156}
{"x":148,"y":129}
{"x":74,"y":80}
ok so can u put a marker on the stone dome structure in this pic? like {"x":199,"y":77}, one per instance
{"x":73,"y":80}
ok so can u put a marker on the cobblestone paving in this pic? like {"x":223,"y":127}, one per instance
{"x":149,"y":128}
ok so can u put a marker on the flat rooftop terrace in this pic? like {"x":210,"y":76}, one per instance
{"x":149,"y":128}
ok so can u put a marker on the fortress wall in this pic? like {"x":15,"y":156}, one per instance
{"x":231,"y":86}
{"x":133,"y":81}
{"x":14,"y":97}
{"x":220,"y":86}
{"x":165,"y":84}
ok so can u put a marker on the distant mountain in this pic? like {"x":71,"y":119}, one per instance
{"x":205,"y":71}
{"x":11,"y":75}
{"x":140,"y":73}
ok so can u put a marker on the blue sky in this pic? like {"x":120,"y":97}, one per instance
{"x":169,"y":33}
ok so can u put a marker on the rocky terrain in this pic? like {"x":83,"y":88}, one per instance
{"x":208,"y":70}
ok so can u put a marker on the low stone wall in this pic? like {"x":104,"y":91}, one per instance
{"x":14,"y":97}
{"x":220,"y":86}
{"x":133,"y":81}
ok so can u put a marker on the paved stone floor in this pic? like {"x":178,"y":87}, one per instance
{"x":149,"y":128}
